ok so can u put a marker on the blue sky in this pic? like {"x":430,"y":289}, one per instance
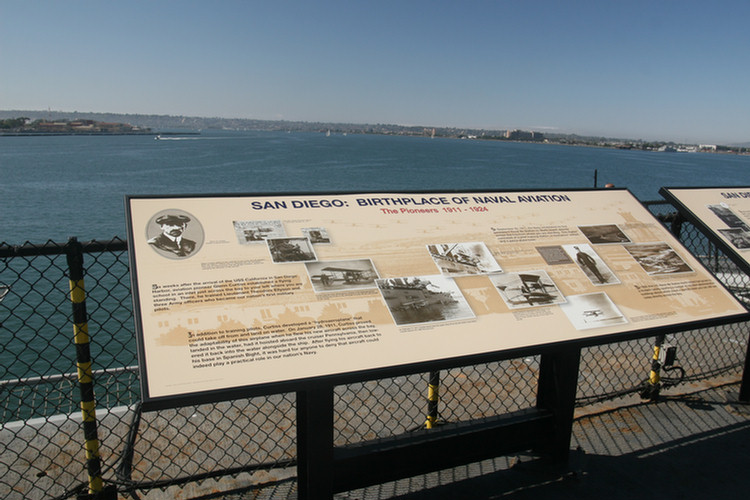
{"x":656,"y":70}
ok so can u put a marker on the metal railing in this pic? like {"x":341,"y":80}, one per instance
{"x":249,"y":443}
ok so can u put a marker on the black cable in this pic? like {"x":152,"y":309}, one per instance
{"x":670,"y":381}
{"x":124,"y":469}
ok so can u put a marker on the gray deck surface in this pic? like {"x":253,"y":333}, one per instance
{"x":691,"y":446}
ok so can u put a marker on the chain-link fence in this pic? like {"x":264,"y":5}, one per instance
{"x":248,"y":443}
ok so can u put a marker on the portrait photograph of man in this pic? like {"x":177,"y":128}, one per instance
{"x":178,"y":236}
{"x":591,"y":264}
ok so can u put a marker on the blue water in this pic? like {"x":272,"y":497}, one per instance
{"x":53,"y":188}
{"x":57,"y":187}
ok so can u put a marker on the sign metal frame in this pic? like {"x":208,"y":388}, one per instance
{"x":142,"y":212}
{"x":691,"y":212}
{"x":713,"y":211}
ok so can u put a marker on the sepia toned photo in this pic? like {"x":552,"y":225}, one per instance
{"x":738,"y":237}
{"x":727,"y":216}
{"x":338,"y":275}
{"x":424,"y":299}
{"x":592,"y":310}
{"x":175,"y":234}
{"x":527,"y":289}
{"x":658,"y":258}
{"x":604,"y":234}
{"x":290,"y":250}
{"x":591,"y":264}
{"x":316,"y":235}
{"x":257,"y":231}
{"x":554,"y":255}
{"x":460,"y":259}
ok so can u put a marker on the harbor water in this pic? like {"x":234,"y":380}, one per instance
{"x":58,"y":187}
{"x":61,"y":186}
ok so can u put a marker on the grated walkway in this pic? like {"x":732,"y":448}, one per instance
{"x":692,"y":446}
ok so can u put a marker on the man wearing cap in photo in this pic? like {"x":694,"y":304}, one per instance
{"x":171,"y":240}
{"x":587,"y":261}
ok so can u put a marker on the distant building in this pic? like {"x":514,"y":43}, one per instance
{"x":53,"y":126}
{"x":523,"y":135}
{"x":84,"y":127}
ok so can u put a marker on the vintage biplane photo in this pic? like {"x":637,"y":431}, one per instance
{"x":527,"y":289}
{"x":336,"y":275}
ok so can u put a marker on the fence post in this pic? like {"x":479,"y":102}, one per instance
{"x":74,"y":254}
{"x":676,"y":225}
{"x":433,"y":398}
{"x":652,"y":386}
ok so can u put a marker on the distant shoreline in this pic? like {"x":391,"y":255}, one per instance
{"x":44,"y":134}
{"x":558,"y":142}
{"x":194,"y":123}
{"x":112,"y":124}
{"x":57,"y":134}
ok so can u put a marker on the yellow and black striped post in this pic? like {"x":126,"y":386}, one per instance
{"x":652,"y":387}
{"x":74,"y":254}
{"x":433,"y":398}
{"x":654,"y":376}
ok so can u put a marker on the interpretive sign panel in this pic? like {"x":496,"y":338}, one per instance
{"x":722,"y":213}
{"x":246,"y":290}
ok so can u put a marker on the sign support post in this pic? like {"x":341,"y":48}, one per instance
{"x":556,"y":392}
{"x":315,"y":442}
{"x":744,"y":396}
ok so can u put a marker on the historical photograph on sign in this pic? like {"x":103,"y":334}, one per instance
{"x":658,"y":258}
{"x":175,"y":234}
{"x":316,"y":235}
{"x":290,"y":250}
{"x":554,"y":255}
{"x":738,"y":237}
{"x":604,"y":234}
{"x":591,"y":264}
{"x":592,"y":310}
{"x":457,"y":259}
{"x":257,"y":231}
{"x":337,"y":275}
{"x":424,"y":299}
{"x":728,"y":216}
{"x":527,"y":289}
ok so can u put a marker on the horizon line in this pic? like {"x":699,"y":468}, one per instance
{"x":542,"y":129}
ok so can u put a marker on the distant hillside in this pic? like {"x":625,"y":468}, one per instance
{"x":167,"y":123}
{"x":26,"y":126}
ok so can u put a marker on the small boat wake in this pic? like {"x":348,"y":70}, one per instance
{"x":185,"y":138}
{"x":162,"y":138}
